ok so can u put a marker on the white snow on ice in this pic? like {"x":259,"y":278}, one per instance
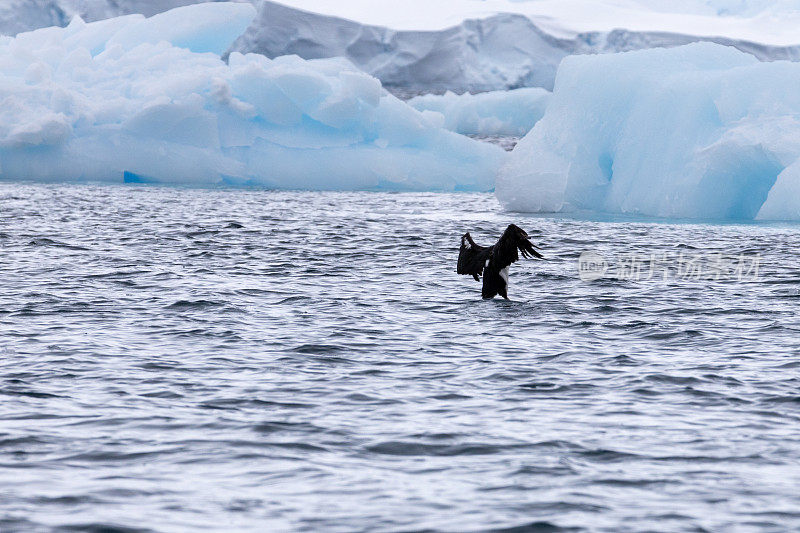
{"x":150,"y":100}
{"x":699,"y":131}
{"x":769,"y":22}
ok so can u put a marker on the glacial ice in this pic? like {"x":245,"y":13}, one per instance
{"x":492,"y":113}
{"x":150,"y":100}
{"x":699,"y":131}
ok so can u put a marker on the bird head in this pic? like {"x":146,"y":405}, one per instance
{"x":517,"y":232}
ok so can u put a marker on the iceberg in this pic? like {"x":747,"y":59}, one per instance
{"x":491,"y":113}
{"x":150,"y":100}
{"x":699,"y":131}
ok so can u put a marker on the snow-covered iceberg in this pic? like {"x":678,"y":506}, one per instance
{"x":150,"y":99}
{"x":700,"y":131}
{"x":491,"y":113}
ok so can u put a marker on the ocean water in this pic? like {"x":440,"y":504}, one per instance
{"x":243,"y":360}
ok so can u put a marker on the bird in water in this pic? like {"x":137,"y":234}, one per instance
{"x":492,"y":261}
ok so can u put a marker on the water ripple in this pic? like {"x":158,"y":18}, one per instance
{"x":187,"y":360}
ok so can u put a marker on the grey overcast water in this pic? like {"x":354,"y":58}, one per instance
{"x":244,"y":360}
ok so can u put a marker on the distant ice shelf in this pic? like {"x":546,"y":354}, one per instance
{"x":699,"y":131}
{"x":766,"y":21}
{"x":150,"y":100}
{"x":485,"y":48}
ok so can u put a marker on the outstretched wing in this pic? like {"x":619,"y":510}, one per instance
{"x":472,"y":257}
{"x":527,"y":249}
{"x":512,"y":240}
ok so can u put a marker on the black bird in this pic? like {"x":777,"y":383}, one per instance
{"x":493,"y":261}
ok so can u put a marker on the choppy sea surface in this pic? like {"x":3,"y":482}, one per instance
{"x":241,"y":360}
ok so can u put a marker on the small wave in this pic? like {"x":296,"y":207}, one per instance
{"x":787,"y":399}
{"x":69,"y":500}
{"x":608,"y":456}
{"x":28,"y":393}
{"x":194,"y":304}
{"x":101,"y":527}
{"x":634,"y":483}
{"x":21,"y":441}
{"x":624,"y":360}
{"x":553,"y":388}
{"x":201,"y":233}
{"x":677,"y":380}
{"x":539,"y":526}
{"x":115,"y":274}
{"x":288,"y":427}
{"x":318,"y":348}
{"x":536,"y":470}
{"x":406,"y":448}
{"x":44,"y":241}
{"x":668,"y":335}
{"x":293,"y":299}
{"x":115,"y":457}
{"x":236,"y":404}
{"x":451,"y":396}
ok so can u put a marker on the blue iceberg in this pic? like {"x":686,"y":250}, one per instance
{"x":512,"y":112}
{"x":134,"y":99}
{"x":698,"y":131}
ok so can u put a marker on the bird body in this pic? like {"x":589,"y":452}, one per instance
{"x":492,"y":262}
